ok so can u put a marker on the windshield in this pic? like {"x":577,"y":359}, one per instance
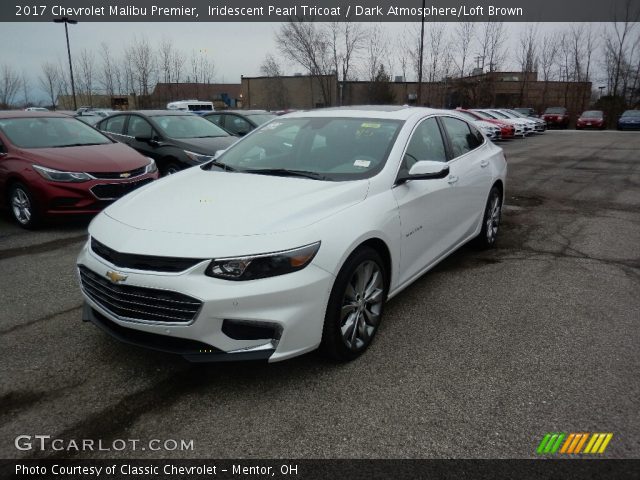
{"x":631,"y":113}
{"x":524,"y":111}
{"x":556,"y":110}
{"x":592,"y":114}
{"x":503,"y":114}
{"x":188,"y":126}
{"x":331,"y":148}
{"x":261,"y":118}
{"x":48,"y":132}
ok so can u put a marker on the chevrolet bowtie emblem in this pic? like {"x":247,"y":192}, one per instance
{"x":116,"y":277}
{"x":125,"y":175}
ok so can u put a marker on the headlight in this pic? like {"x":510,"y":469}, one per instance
{"x":253,"y":267}
{"x":151,"y":167}
{"x":198,"y":157}
{"x":58,"y":176}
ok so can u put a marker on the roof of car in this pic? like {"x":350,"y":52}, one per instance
{"x":392,"y":112}
{"x":30,"y":114}
{"x":245,"y":112}
{"x":156,"y":113}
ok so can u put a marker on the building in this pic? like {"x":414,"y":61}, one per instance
{"x":223,"y":95}
{"x":492,"y":89}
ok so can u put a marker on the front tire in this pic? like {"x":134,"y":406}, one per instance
{"x":491,"y":220}
{"x":23,"y":207}
{"x":355,"y":306}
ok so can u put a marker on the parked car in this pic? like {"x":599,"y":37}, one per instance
{"x":54,"y":165}
{"x":557,"y":117}
{"x":520,"y":127}
{"x":36,"y":109}
{"x":199,"y":107}
{"x":295,"y":236}
{"x":174,"y":139}
{"x":491,"y":130}
{"x":526,"y":111}
{"x":629,"y":120}
{"x":592,"y":119}
{"x":240,"y":122}
{"x":529,"y":125}
{"x":539,"y":126}
{"x":507,"y":130}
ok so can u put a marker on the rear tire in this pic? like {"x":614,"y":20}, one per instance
{"x":355,"y":306}
{"x":22,"y":206}
{"x":490,"y":221}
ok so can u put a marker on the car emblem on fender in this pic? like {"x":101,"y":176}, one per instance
{"x":116,"y":277}
{"x":125,"y":175}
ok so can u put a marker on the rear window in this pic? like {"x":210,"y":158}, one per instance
{"x":592,"y":114}
{"x":50,"y":132}
{"x":631,"y":113}
{"x":199,"y":108}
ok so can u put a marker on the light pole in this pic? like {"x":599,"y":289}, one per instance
{"x":419,"y":99}
{"x":66,"y":21}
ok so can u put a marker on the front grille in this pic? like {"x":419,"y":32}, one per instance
{"x":138,"y":303}
{"x":119,"y":175}
{"x":142,"y":262}
{"x":111,"y":191}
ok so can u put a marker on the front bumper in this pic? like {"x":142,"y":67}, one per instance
{"x":294,"y":304}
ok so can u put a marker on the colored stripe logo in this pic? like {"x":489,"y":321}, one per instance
{"x":574,"y":443}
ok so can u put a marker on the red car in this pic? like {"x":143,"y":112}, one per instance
{"x":53,"y":165}
{"x":506,"y":130}
{"x":556,"y":117}
{"x":591,"y":119}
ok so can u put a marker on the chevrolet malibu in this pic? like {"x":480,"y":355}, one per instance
{"x":294,"y":237}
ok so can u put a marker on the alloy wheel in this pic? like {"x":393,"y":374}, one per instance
{"x":493,"y":219}
{"x":362,"y":305}
{"x":21,"y":206}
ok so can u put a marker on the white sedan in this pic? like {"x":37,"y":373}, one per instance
{"x":293,"y":238}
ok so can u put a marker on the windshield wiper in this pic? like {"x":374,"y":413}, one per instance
{"x":285,"y":172}
{"x":78,"y":145}
{"x":215,"y":163}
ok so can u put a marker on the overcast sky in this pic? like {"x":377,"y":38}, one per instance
{"x":235,"y":48}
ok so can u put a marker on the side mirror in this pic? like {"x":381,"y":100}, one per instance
{"x":425,"y":170}
{"x":242,"y":133}
{"x":218,"y":153}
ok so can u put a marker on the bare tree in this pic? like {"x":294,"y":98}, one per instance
{"x":346,"y":40}
{"x":26,"y":90}
{"x":49,"y":82}
{"x":142,"y":66}
{"x":464,"y":35}
{"x":617,"y":40}
{"x":9,"y":85}
{"x":527,"y":58}
{"x":86,"y":72}
{"x":275,"y":86}
{"x":108,"y":70}
{"x":305,"y":43}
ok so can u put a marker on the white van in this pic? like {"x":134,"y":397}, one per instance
{"x":195,"y":106}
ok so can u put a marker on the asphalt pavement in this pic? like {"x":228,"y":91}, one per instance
{"x":478,"y":359}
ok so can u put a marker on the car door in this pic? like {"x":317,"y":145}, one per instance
{"x":114,"y":127}
{"x":426,"y":219}
{"x":138,"y":126}
{"x":469,"y":174}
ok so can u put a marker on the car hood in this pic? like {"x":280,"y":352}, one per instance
{"x":207,"y":145}
{"x":219,"y":203}
{"x":111,"y":157}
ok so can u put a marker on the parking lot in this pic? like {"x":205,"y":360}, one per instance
{"x":479,"y":358}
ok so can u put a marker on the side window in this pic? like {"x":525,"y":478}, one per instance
{"x":236,"y":124}
{"x":462,"y":139}
{"x":114,"y":124}
{"x":426,"y":144}
{"x":139,"y":127}
{"x":217,"y":119}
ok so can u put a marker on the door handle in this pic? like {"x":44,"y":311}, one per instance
{"x":452,"y":179}
{"x":484,"y":163}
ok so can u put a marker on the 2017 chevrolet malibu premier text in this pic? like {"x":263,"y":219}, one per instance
{"x":294,"y":237}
